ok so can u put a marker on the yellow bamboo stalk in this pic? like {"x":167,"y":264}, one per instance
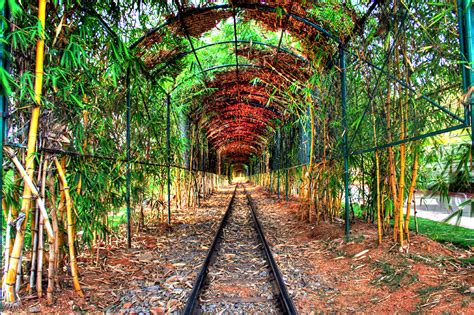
{"x":39,"y":275}
{"x":379,"y":210}
{"x":415,"y":158}
{"x":414,"y":173}
{"x":85,"y":115}
{"x":178,"y":189}
{"x":401,"y":183}
{"x":34,"y":191}
{"x":34,"y":232}
{"x":39,"y":268}
{"x":393,"y":188}
{"x":4,"y":208}
{"x":377,"y":182}
{"x":191,"y":155}
{"x":310,"y":168}
{"x":8,"y":245}
{"x":41,"y":205}
{"x":392,"y":180}
{"x":10,"y":279}
{"x":31,"y":149}
{"x":53,"y":246}
{"x":70,"y":230}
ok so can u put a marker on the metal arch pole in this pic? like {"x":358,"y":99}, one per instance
{"x":3,"y":114}
{"x":203,"y":167}
{"x":286,"y":167}
{"x":240,"y":41}
{"x":342,"y":64}
{"x":469,"y":27}
{"x":278,"y":182}
{"x":127,"y":193}
{"x":168,"y":153}
{"x":261,"y":7}
{"x":271,"y":182}
{"x":5,"y":64}
{"x":462,"y":45}
{"x":279,"y":163}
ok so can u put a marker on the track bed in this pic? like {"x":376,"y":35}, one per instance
{"x":239,"y":274}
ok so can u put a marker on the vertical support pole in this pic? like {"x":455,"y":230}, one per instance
{"x":279,"y":162}
{"x":5,"y":64}
{"x":219,"y":169}
{"x":168,"y":152}
{"x":342,"y":64}
{"x":469,"y":28}
{"x":127,"y":193}
{"x":464,"y":54}
{"x":3,"y":113}
{"x":286,"y":168}
{"x":203,"y":166}
{"x":278,"y":182}
{"x":271,"y":181}
{"x":307,"y":136}
{"x":466,"y":26}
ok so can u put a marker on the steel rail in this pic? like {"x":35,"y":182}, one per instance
{"x":285,"y":299}
{"x":283,"y":296}
{"x":191,"y":304}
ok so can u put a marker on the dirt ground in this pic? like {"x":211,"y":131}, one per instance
{"x":326,"y":274}
{"x":322,"y":271}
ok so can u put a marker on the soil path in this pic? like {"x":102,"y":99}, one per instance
{"x":323,"y":272}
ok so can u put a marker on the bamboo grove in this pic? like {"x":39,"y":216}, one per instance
{"x":383,"y":110}
{"x":76,"y":73}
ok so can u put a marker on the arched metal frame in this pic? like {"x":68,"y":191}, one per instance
{"x":240,"y":41}
{"x":262,"y":7}
{"x":178,"y":17}
{"x":466,"y":22}
{"x":466,"y":27}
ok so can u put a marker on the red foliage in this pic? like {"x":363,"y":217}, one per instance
{"x":238,"y":117}
{"x":242,"y":113}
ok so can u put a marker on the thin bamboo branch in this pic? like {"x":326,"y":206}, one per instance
{"x":53,"y":246}
{"x":70,"y":229}
{"x":34,"y":191}
{"x":39,"y":276}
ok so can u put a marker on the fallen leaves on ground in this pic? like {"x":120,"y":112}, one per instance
{"x":325,"y":273}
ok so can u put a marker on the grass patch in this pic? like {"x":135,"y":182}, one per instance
{"x":430,"y":289}
{"x":394,"y":276}
{"x":444,"y":233}
{"x":426,"y":294}
{"x":437,"y":260}
{"x":467,"y":262}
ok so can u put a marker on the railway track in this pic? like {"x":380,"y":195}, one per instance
{"x":239,"y":274}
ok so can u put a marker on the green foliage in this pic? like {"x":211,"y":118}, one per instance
{"x":394,"y":276}
{"x":13,"y":6}
{"x":86,"y":65}
{"x":445,"y":233}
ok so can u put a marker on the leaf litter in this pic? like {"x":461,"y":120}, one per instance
{"x":323,"y":273}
